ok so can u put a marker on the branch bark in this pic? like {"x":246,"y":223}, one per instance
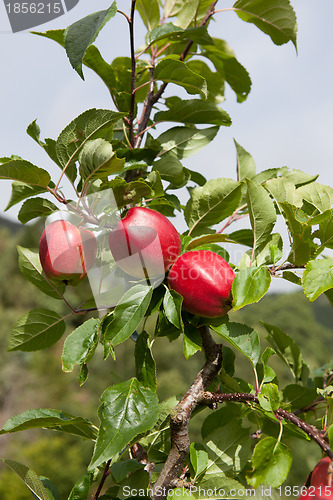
{"x":152,"y":97}
{"x":209,"y":398}
{"x":181,"y":414}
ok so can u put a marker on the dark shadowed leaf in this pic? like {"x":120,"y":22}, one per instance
{"x":82,"y":33}
{"x":177,"y":72}
{"x":144,"y":362}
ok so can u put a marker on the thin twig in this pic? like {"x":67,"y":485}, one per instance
{"x":133,"y":67}
{"x":210,"y":398}
{"x":152,"y":98}
{"x":102,"y":481}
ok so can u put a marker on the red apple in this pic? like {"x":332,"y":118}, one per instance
{"x":66,"y":252}
{"x":145,"y":243}
{"x":204,"y":279}
{"x":322,"y":473}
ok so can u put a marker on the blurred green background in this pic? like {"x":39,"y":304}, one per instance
{"x":35,"y":380}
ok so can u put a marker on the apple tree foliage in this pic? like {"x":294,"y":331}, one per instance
{"x":143,"y":442}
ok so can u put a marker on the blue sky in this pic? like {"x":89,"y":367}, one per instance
{"x":286,"y":120}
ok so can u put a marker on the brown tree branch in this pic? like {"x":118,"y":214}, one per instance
{"x":211,"y":398}
{"x":102,"y":481}
{"x":153,"y":98}
{"x":133,"y":64}
{"x":181,"y":414}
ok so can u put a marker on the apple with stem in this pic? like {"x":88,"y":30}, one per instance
{"x":204,"y":280}
{"x":145,"y":243}
{"x":67,"y":252}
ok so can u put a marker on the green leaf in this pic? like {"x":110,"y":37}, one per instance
{"x":21,"y":191}
{"x":242,"y":337}
{"x":228,"y":450}
{"x":288,"y":351}
{"x":271,"y":461}
{"x":284,"y":190}
{"x":246,"y":166}
{"x":31,"y":269}
{"x":194,"y":111}
{"x":317,"y":277}
{"x":268,"y":374}
{"x":215,"y":81}
{"x":126,"y":193}
{"x":24,"y":171}
{"x":207,"y":239}
{"x":98,"y":160}
{"x":80,"y":345}
{"x":192,"y":341}
{"x":212,"y":203}
{"x":82,"y":33}
{"x":50,"y":419}
{"x":37,"y":329}
{"x":298,"y":396}
{"x":186,"y":10}
{"x":36,"y":207}
{"x":199,"y":458}
{"x":144,"y":362}
{"x":127,"y":409}
{"x":186,"y":141}
{"x":149,"y":11}
{"x":175,"y":33}
{"x":30,"y":478}
{"x":171,"y":169}
{"x":269,"y":398}
{"x":261,"y":211}
{"x":120,"y":470}
{"x":80,"y":490}
{"x":249,"y":286}
{"x":172,"y":304}
{"x":91,"y":124}
{"x":128,"y":313}
{"x":229,"y":68}
{"x":277,"y":19}
{"x":318,"y":195}
{"x":302,"y":245}
{"x":177,"y":72}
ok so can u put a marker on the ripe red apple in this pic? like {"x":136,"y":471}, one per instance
{"x":145,"y":243}
{"x":322,"y":473}
{"x":204,"y":279}
{"x":66,"y":252}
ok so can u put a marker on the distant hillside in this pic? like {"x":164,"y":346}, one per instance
{"x":13,"y":227}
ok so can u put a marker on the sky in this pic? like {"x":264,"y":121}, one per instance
{"x":286,"y":120}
